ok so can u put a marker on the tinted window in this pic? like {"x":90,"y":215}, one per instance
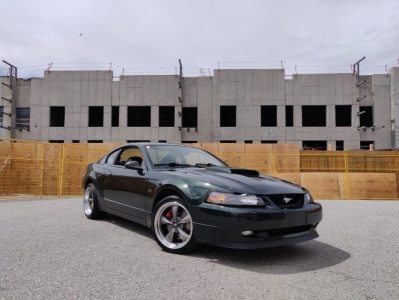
{"x":130,"y":154}
{"x":112,"y":157}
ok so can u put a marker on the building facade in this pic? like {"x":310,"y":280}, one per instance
{"x":251,"y":106}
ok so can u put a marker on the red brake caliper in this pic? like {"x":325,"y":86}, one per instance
{"x":169,"y":215}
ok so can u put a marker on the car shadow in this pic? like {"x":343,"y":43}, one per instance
{"x":291,"y":259}
{"x":129,"y":225}
{"x":298,"y":258}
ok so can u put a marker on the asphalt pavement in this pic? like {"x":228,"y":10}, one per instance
{"x":50,"y":250}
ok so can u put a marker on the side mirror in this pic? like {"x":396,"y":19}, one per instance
{"x":134,"y":165}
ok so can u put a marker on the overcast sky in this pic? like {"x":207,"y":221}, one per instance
{"x":315,"y":35}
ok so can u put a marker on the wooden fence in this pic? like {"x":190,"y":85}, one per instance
{"x":35,"y":169}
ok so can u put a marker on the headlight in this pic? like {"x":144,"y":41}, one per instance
{"x":232,"y":199}
{"x":309,"y":198}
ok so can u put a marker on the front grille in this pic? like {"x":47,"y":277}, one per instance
{"x":282,"y":201}
{"x":291,"y":230}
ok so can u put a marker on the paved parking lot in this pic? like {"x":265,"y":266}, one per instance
{"x":49,"y":250}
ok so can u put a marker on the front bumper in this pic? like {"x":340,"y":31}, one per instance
{"x":223,"y":225}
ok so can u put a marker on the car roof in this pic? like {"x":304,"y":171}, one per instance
{"x":153,"y":144}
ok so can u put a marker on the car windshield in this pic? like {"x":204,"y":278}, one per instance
{"x":180,"y":156}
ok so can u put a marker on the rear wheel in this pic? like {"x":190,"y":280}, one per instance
{"x":90,"y":203}
{"x":173,"y":226}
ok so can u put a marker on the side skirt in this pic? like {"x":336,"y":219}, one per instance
{"x":124,"y":215}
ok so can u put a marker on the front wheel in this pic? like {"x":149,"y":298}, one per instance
{"x":173,"y":226}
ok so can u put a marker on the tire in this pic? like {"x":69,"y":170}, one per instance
{"x":90,"y":203}
{"x":173,"y":226}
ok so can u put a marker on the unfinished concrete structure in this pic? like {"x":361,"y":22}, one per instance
{"x":252,"y":106}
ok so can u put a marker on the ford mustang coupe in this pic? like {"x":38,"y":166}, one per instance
{"x":188,"y":196}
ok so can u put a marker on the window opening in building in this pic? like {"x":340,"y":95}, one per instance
{"x":314,"y":145}
{"x":366,"y":118}
{"x":228,"y":117}
{"x":137,"y":141}
{"x":289,"y":116}
{"x":96,"y":116}
{"x":139,"y":116}
{"x":189,"y":142}
{"x":268,"y":142}
{"x":23,"y":117}
{"x":166,"y":116}
{"x":57,"y":116}
{"x":343,"y":115}
{"x":189,"y":117}
{"x":115,"y":116}
{"x":1,"y":114}
{"x":95,"y":141}
{"x":75,"y":141}
{"x":339,"y":145}
{"x":313,"y":115}
{"x":248,"y":142}
{"x":226,"y":141}
{"x":162,"y":141}
{"x":268,"y":116}
{"x":56,"y":141}
{"x":365,"y":145}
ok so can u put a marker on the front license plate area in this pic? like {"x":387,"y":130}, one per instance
{"x":293,"y":219}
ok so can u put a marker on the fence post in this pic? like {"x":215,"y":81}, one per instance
{"x":42,"y":172}
{"x":348,"y":194}
{"x":61,"y":171}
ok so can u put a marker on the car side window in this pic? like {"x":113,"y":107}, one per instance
{"x":112,"y":157}
{"x":130,"y":154}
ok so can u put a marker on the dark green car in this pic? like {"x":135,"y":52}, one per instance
{"x":188,"y":196}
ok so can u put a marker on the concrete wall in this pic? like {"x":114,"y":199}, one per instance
{"x":154,"y":91}
{"x":246,"y":89}
{"x":198,"y":92}
{"x":394,"y":78}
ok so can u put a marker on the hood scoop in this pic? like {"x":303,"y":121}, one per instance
{"x":238,"y":171}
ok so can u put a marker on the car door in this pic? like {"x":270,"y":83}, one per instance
{"x":125,"y":189}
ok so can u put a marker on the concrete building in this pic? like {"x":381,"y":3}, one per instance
{"x":251,"y":106}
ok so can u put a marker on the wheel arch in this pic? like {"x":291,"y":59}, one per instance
{"x":167,"y":191}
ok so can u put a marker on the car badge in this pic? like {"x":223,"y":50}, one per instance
{"x":286,"y":200}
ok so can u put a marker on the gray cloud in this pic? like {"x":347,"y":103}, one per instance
{"x":155,"y":34}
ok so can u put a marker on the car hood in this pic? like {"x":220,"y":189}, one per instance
{"x":239,"y":180}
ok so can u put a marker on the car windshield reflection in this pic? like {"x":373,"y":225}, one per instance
{"x":180,"y":156}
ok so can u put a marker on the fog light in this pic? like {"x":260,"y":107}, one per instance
{"x":249,"y":232}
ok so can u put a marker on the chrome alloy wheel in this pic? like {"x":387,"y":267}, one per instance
{"x":173,"y":225}
{"x":88,"y":201}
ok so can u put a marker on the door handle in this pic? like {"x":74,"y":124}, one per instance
{"x":108,"y":173}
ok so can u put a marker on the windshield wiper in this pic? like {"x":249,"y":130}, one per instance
{"x":205,"y":165}
{"x":172,"y":165}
